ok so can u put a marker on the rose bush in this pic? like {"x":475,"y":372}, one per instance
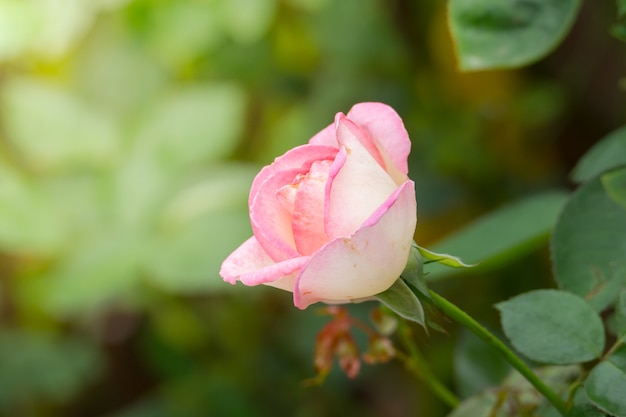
{"x":333,"y":220}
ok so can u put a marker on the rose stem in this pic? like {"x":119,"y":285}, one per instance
{"x":416,"y":363}
{"x":464,"y":319}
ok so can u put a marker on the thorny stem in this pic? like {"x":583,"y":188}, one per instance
{"x":417,"y":364}
{"x":465,"y":320}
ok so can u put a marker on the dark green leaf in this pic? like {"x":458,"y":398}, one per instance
{"x":551,"y":326}
{"x":606,"y":384}
{"x":402,"y":301}
{"x":519,"y":227}
{"x":614,"y":183}
{"x":413,"y":272}
{"x":620,"y":314}
{"x":585,"y":410}
{"x":588,"y":245}
{"x":38,"y":366}
{"x":621,"y":8}
{"x":608,"y":153}
{"x":506,"y":34}
{"x":619,"y":31}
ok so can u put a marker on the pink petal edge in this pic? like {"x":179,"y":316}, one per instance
{"x":382,"y":123}
{"x":252,"y":266}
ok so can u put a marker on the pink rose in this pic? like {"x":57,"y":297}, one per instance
{"x":333,"y":220}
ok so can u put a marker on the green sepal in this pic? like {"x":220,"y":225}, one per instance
{"x":443,"y":258}
{"x":414,"y":277}
{"x":402,"y":301}
{"x":413,"y":273}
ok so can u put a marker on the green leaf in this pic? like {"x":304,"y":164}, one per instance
{"x":551,"y":326}
{"x":620,"y":314}
{"x":443,"y":258}
{"x":53,"y":129}
{"x":619,"y":31}
{"x":585,"y":410}
{"x":606,"y":384}
{"x":192,"y":125}
{"x":29,"y":222}
{"x":400,"y":299}
{"x":99,"y":271}
{"x":199,"y":227}
{"x":588,"y":245}
{"x":614,"y":183}
{"x":413,"y":272}
{"x":247,"y":20}
{"x":506,"y":34}
{"x":621,"y":8}
{"x":608,"y":153}
{"x":520,"y":227}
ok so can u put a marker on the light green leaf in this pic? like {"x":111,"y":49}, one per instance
{"x":188,"y":260}
{"x":606,"y":384}
{"x":614,"y":183}
{"x":49,"y":29}
{"x":519,"y":227}
{"x":589,"y":243}
{"x":551,"y":326}
{"x":98,"y":272}
{"x":402,"y":301}
{"x":608,"y":153}
{"x":29,"y":223}
{"x":181,"y":31}
{"x":198,"y":229}
{"x":192,"y":125}
{"x":443,"y":258}
{"x":53,"y":129}
{"x":506,"y":34}
{"x":247,"y":21}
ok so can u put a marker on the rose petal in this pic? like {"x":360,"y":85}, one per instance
{"x":368,"y":262}
{"x":383,"y":124}
{"x":271,"y":219}
{"x":299,"y":158}
{"x":325,"y":137}
{"x":252,"y":266}
{"x":309,"y":208}
{"x":365,"y":140}
{"x":360,"y":186}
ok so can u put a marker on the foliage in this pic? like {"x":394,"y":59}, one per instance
{"x":130,"y":131}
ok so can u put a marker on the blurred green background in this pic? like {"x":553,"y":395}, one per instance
{"x":130,"y":132}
